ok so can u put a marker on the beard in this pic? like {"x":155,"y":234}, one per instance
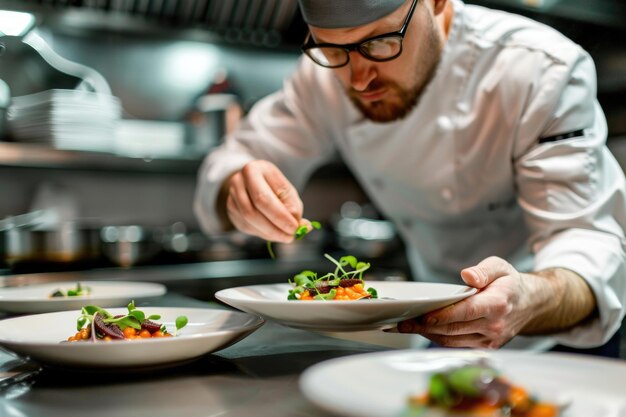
{"x":402,"y":99}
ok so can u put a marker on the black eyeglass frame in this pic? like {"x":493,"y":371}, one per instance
{"x":349,"y":47}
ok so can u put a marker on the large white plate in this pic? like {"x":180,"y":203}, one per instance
{"x":36,"y":298}
{"x":40,"y":337}
{"x":379,"y":384}
{"x":410,"y":299}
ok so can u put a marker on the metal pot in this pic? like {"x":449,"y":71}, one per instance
{"x":130,"y":245}
{"x":66,"y":243}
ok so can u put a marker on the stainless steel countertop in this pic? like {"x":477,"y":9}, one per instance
{"x":257,"y":376}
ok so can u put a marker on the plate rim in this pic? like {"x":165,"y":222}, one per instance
{"x":3,"y":299}
{"x":54,"y":353}
{"x":39,"y":304}
{"x":466,"y":289}
{"x":386,"y":315}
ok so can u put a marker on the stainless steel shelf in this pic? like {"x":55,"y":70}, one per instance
{"x":42,"y":156}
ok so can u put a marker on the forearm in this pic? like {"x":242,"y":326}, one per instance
{"x":559,"y":299}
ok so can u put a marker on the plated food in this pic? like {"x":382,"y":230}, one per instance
{"x":96,"y":324}
{"x":397,"y":300}
{"x":37,"y":298}
{"x":383,"y":384}
{"x":40,"y":337}
{"x":344,"y":283}
{"x":479,"y":390}
{"x":76,"y":291}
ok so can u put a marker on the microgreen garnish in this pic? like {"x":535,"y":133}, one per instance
{"x":301,"y":232}
{"x":181,"y":321}
{"x":347,"y":267}
{"x":133,"y":319}
{"x":79,"y":290}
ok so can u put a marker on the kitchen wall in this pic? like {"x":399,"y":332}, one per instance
{"x":159,"y":72}
{"x":155,"y":78}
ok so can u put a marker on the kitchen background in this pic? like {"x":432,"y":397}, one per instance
{"x":105,"y":197}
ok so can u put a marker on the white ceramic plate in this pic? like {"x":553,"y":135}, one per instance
{"x":33,"y":299}
{"x":40,"y":337}
{"x":410,"y":299}
{"x":379,"y":384}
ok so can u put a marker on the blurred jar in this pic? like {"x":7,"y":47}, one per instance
{"x":214,"y":116}
{"x":129,"y":245}
{"x":5,"y":101}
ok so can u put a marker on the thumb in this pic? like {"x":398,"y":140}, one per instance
{"x":486,"y":271}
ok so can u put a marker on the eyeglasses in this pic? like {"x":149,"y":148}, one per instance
{"x":378,"y":48}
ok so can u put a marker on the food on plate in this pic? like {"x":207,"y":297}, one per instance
{"x":75,"y":292}
{"x":97,"y":324}
{"x":478,"y":390}
{"x":301,"y":232}
{"x":344,"y":283}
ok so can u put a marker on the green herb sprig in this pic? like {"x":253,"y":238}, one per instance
{"x":78,"y":291}
{"x":301,"y":232}
{"x":347,"y":267}
{"x":133,"y":319}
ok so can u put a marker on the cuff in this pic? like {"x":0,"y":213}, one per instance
{"x":599,"y":259}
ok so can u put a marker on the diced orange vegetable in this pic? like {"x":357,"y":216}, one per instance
{"x":543,"y":410}
{"x":519,"y":399}
{"x":129,"y":332}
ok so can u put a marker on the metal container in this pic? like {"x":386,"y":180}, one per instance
{"x":67,"y":243}
{"x":130,"y":244}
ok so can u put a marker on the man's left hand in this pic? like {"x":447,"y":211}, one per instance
{"x":489,"y":318}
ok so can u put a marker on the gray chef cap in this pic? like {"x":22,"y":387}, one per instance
{"x":333,"y":14}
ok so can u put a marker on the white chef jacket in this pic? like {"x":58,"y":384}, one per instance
{"x":484,"y":165}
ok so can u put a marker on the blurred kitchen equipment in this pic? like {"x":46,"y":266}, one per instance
{"x":25,"y":241}
{"x":65,"y":119}
{"x":56,"y":101}
{"x":5,"y":101}
{"x":149,"y":138}
{"x":361,"y":233}
{"x":130,"y":245}
{"x":184,"y":244}
{"x":213,"y":116}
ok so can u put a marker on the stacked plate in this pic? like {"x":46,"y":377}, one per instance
{"x":66,"y":119}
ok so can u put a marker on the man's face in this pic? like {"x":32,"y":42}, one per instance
{"x":387,"y":91}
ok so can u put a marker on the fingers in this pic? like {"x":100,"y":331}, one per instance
{"x":285,"y":192}
{"x":262,"y":202}
{"x":488,"y":270}
{"x":450,"y":329}
{"x":475,"y":333}
{"x":486,"y":304}
{"x":475,"y":340}
{"x":244,"y":217}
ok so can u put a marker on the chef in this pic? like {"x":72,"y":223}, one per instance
{"x":478,"y":133}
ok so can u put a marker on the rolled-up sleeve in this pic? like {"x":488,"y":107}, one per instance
{"x":572,"y":192}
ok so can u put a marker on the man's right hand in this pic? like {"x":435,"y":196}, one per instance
{"x":259,"y":200}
